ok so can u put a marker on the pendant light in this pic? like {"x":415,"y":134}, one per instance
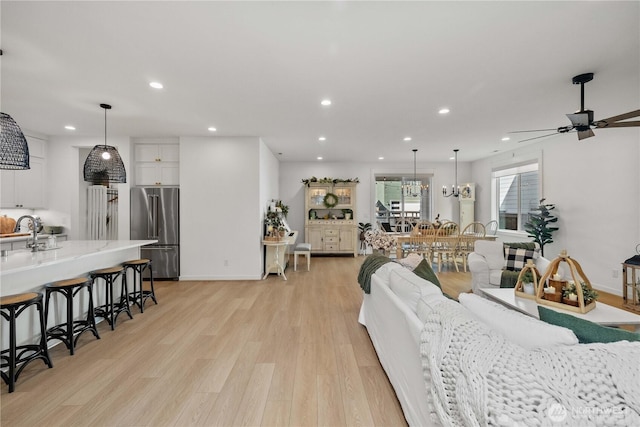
{"x":414,"y":188}
{"x":455,"y":189}
{"x":103,"y":164}
{"x":14,"y":151}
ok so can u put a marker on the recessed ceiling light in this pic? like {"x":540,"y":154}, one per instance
{"x":212,"y":129}
{"x":444,"y":111}
{"x":326,"y":102}
{"x":407,"y":138}
{"x":69,"y":127}
{"x":322,"y":138}
{"x":156,"y":85}
{"x":380,"y":158}
{"x":319,"y":157}
{"x":506,"y":138}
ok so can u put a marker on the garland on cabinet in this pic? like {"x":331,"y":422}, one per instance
{"x":326,"y":180}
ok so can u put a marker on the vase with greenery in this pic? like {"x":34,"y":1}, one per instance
{"x":539,"y":226}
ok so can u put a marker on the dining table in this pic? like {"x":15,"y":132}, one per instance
{"x":402,"y":239}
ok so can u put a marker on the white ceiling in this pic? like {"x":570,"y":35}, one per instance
{"x":262,"y":68}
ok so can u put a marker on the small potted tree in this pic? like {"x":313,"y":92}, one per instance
{"x":539,"y":226}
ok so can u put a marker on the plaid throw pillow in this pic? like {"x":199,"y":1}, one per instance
{"x":515,"y":259}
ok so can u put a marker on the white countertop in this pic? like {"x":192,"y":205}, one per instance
{"x":69,"y":250}
{"x":41,"y":236}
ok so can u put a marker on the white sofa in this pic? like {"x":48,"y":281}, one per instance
{"x":486,"y":264}
{"x":471,"y":363}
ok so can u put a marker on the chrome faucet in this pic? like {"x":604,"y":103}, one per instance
{"x":35,"y":224}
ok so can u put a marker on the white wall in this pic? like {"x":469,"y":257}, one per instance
{"x":220,"y":208}
{"x":594,"y":185}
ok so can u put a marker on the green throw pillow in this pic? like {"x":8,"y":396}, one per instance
{"x":586,"y":331}
{"x":425,"y":271}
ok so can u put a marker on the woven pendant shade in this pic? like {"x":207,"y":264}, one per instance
{"x":14,"y":151}
{"x":104,"y":164}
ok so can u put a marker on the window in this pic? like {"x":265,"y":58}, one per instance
{"x":394,"y":203}
{"x":517,"y":195}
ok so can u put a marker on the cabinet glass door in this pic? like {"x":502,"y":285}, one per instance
{"x":344,"y":195}
{"x":316,"y":196}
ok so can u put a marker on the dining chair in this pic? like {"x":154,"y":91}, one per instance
{"x":466,"y":242}
{"x":445,"y":246}
{"x":491,"y":228}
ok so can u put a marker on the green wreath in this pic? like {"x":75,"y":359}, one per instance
{"x":330,"y":200}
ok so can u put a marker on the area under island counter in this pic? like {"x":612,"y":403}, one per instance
{"x":26,"y":271}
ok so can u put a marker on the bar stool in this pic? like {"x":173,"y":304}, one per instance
{"x":11,"y":306}
{"x":302,"y":249}
{"x":111,"y":309}
{"x":139,"y":295}
{"x":66,"y":332}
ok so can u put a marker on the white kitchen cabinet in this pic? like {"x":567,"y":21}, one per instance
{"x":25,"y":188}
{"x":157,"y":174}
{"x":157,"y":164}
{"x":157,"y":152}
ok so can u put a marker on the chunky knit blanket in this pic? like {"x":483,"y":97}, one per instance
{"x":478,"y":378}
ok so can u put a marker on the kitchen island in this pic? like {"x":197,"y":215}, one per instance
{"x":25,"y":271}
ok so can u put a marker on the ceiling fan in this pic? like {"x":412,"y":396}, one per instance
{"x":582,"y":121}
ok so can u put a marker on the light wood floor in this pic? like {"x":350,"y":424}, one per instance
{"x":272,"y":353}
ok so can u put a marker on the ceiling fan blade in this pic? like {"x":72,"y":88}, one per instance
{"x":584,"y":134}
{"x":622,"y":124}
{"x":608,"y":122}
{"x":535,"y":130}
{"x":538,"y":137}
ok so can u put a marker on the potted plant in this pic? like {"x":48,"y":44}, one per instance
{"x":570,"y":293}
{"x":346,"y":213}
{"x":527,"y":282}
{"x":283,"y":208}
{"x":539,"y":227}
{"x":380,"y":241}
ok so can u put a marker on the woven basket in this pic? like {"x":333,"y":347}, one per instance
{"x":577,"y":276}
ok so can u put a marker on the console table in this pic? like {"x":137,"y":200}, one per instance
{"x":603,"y":314}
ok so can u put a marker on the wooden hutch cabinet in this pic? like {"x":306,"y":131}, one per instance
{"x":331,"y":230}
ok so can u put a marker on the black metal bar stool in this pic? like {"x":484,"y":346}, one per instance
{"x":139,"y":295}
{"x":111,"y":308}
{"x":11,"y":306}
{"x":69,"y":332}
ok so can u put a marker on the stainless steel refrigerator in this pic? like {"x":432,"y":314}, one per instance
{"x":155,"y":215}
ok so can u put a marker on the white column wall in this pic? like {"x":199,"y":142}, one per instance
{"x":220,"y":208}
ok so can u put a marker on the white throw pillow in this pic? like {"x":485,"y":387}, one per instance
{"x":411,"y":261}
{"x":519,"y":328}
{"x":410,"y":288}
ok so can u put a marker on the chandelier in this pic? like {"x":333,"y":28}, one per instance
{"x":14,"y":151}
{"x":414,"y":188}
{"x":104,"y":164}
{"x":455,"y":189}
